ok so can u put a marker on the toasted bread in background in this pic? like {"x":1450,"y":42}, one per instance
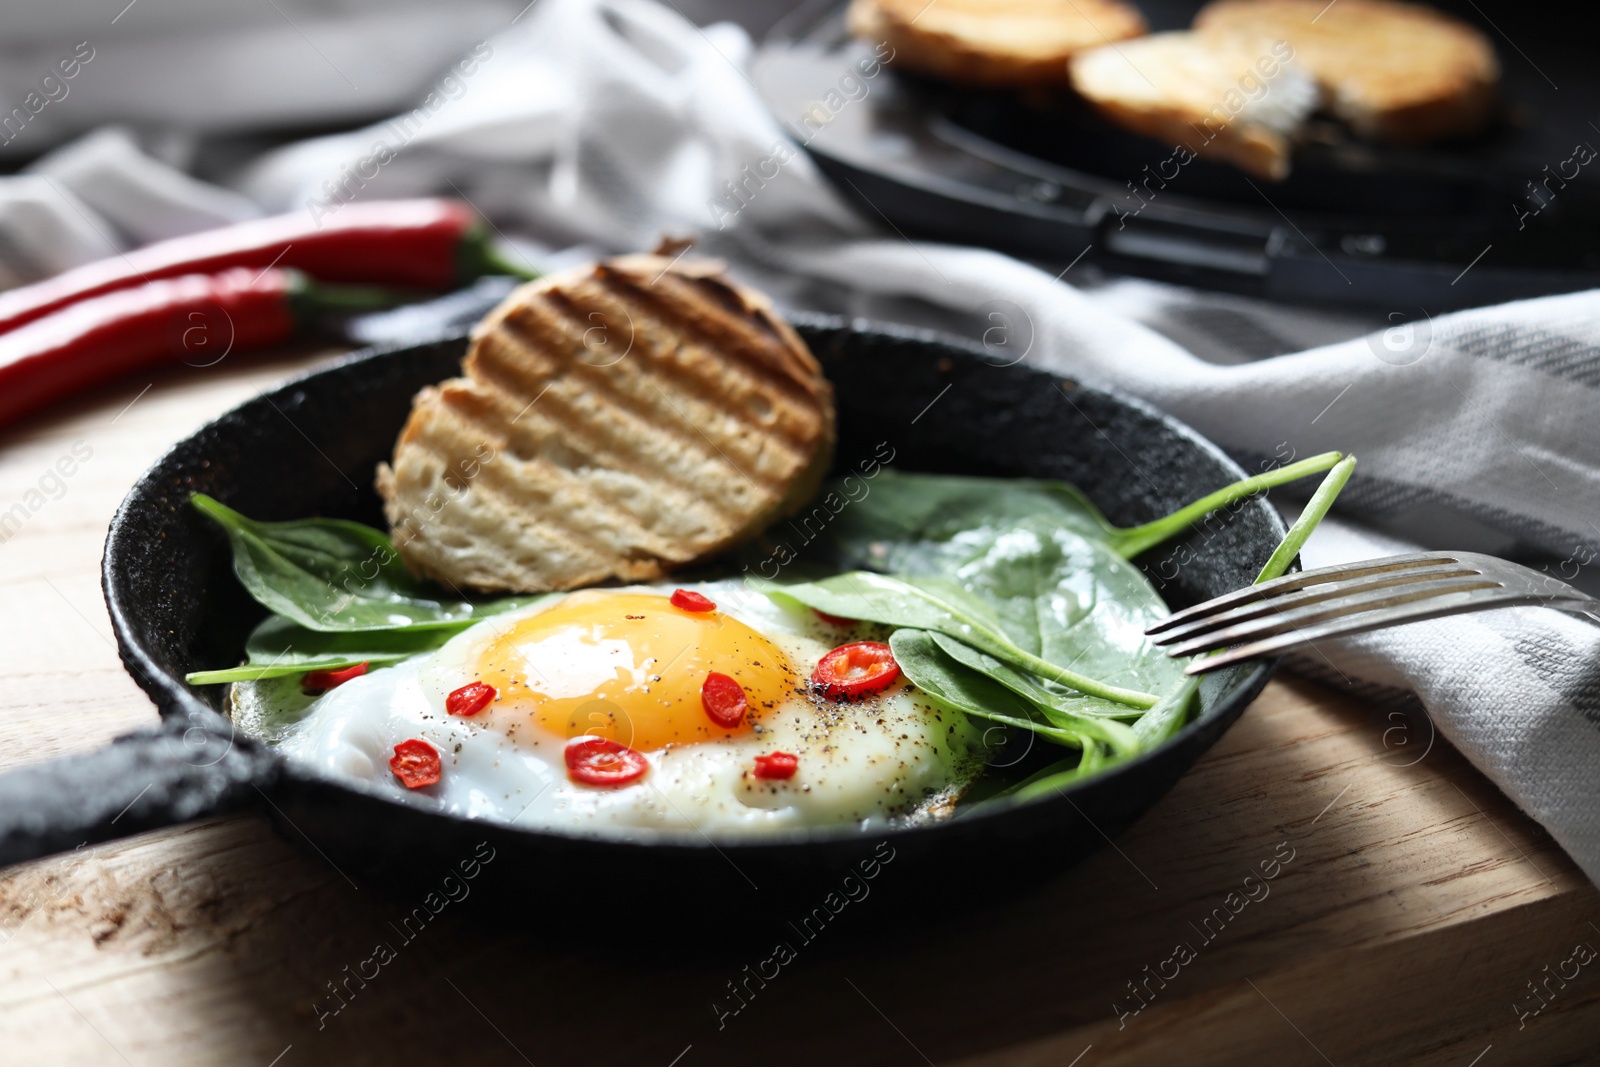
{"x":1235,"y":98}
{"x":1393,"y":71}
{"x":993,"y":42}
{"x":617,"y":421}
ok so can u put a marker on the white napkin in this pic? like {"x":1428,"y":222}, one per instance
{"x":44,"y":229}
{"x":604,"y":123}
{"x":144,"y":200}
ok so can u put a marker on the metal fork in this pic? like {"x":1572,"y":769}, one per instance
{"x":1305,"y":607}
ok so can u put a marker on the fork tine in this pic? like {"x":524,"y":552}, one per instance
{"x":1301,"y":618}
{"x":1362,"y":622}
{"x":1310,"y":595}
{"x":1300,"y":580}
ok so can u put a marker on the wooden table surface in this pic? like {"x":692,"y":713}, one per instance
{"x":1415,"y":913}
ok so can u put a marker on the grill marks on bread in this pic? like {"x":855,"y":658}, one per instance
{"x":643,"y":414}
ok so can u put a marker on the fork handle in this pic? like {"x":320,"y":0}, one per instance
{"x":1366,"y":622}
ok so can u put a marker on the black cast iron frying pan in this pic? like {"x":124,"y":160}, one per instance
{"x":309,"y":448}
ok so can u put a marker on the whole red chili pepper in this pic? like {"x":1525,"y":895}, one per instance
{"x":424,"y":244}
{"x":197,"y":318}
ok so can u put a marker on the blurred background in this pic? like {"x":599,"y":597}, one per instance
{"x":230,"y":76}
{"x":183,"y":71}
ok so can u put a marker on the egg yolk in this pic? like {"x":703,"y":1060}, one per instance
{"x":629,"y":667}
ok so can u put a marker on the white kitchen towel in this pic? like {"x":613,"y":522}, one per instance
{"x":142,"y":199}
{"x":602,"y":124}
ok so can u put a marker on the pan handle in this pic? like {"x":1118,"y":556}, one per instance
{"x":175,"y":773}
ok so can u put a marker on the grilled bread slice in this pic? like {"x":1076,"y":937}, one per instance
{"x":1234,"y":98}
{"x":616,"y":421}
{"x":993,"y":42}
{"x":1393,"y":71}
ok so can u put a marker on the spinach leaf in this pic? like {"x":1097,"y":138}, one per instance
{"x":1057,"y":618}
{"x":1155,"y":726}
{"x":1071,"y":601}
{"x":909,"y":508}
{"x":333,"y":575}
{"x":1051,"y":779}
{"x":279,"y":647}
{"x":1310,"y":516}
{"x":1016,"y":602}
{"x":938,"y":604}
{"x":1050,"y":699}
{"x":1169,"y":714}
{"x":925,"y":660}
{"x":1175,"y":707}
{"x":1131,"y":541}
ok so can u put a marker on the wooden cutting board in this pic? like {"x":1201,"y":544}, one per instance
{"x":1411,"y":916}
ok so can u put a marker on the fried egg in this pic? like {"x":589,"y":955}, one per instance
{"x":628,"y":666}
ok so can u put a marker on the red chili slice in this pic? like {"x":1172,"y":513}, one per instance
{"x":415,"y":763}
{"x":602,"y":761}
{"x":724,"y":700}
{"x":856,"y":669}
{"x":689,"y":600}
{"x":469,"y":699}
{"x":776,"y":766}
{"x":832,"y":620}
{"x":322,"y":681}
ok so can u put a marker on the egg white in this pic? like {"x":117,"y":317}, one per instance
{"x":892,"y":756}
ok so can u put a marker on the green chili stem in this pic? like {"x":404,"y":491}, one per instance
{"x":478,"y":257}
